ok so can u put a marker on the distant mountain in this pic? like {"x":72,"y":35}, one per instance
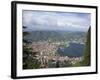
{"x":54,"y":35}
{"x":55,"y":28}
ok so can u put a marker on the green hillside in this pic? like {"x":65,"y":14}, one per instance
{"x":87,"y":52}
{"x":54,"y":36}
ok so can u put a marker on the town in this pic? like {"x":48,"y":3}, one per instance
{"x":45,"y":53}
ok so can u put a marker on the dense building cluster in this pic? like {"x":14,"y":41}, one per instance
{"x":46,"y":51}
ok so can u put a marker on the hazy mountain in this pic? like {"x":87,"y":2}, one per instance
{"x":54,"y":35}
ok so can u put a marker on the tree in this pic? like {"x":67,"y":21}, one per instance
{"x":29,"y":60}
{"x":87,"y":53}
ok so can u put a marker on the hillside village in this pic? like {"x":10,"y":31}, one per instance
{"x":45,"y":52}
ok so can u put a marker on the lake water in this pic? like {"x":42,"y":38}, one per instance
{"x":73,"y":50}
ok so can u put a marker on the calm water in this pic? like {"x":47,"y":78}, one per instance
{"x":74,"y":50}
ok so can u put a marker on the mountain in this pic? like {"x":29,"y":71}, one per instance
{"x":54,"y":36}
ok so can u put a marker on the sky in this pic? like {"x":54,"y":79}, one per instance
{"x":46,"y":20}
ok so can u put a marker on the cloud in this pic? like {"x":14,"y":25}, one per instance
{"x":41,"y":20}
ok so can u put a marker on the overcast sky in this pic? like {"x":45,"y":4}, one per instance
{"x":43,"y":20}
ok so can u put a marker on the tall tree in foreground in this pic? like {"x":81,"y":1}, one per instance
{"x":29,"y":60}
{"x":87,"y":52}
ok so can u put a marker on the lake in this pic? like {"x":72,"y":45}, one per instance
{"x":73,"y":50}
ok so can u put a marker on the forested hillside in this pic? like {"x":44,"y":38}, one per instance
{"x":87,"y":52}
{"x":55,"y":36}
